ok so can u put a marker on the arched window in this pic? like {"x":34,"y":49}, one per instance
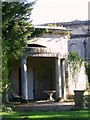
{"x":73,"y":47}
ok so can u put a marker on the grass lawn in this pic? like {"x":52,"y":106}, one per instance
{"x":67,"y":115}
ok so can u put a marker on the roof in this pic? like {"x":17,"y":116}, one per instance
{"x":75,"y":22}
{"x":60,"y":28}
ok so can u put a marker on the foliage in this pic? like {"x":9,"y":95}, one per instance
{"x":87,"y":69}
{"x":6,"y":89}
{"x":75,"y":63}
{"x":16,"y":27}
{"x":6,"y":109}
{"x":74,"y":58}
{"x":38,"y":32}
{"x":52,"y":25}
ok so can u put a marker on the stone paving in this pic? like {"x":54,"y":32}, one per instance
{"x":44,"y":105}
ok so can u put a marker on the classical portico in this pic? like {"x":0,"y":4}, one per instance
{"x":45,"y":59}
{"x":59,"y":79}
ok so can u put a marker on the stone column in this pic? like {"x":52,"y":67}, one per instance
{"x":24,"y":79}
{"x":58,"y":79}
{"x":63,"y":80}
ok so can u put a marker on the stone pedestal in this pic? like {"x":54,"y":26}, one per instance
{"x":50,"y":93}
{"x":79,"y":98}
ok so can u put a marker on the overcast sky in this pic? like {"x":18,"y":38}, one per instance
{"x":46,"y":11}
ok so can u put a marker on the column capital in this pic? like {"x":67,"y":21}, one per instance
{"x":23,"y":60}
{"x":58,"y":57}
{"x":24,"y":57}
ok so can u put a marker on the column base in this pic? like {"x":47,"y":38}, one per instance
{"x":57,"y":99}
{"x":24,"y":101}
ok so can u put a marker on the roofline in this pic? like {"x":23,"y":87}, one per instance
{"x":76,"y":22}
{"x":53,"y":28}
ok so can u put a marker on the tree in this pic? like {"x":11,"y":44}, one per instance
{"x":16,"y":28}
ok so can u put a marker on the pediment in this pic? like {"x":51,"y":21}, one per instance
{"x":56,"y":45}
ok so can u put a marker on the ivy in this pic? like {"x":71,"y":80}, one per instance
{"x":38,"y":32}
{"x":87,"y":69}
{"x":73,"y":57}
{"x":75,"y":63}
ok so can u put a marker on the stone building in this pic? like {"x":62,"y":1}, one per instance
{"x":79,"y":41}
{"x":80,"y":35}
{"x":42,"y":67}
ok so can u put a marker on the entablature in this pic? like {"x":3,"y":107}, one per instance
{"x":43,"y":52}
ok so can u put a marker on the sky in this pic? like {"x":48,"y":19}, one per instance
{"x":52,"y":11}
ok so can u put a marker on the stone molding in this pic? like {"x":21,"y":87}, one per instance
{"x":43,"y":52}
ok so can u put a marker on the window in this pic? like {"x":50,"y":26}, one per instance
{"x":73,"y":47}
